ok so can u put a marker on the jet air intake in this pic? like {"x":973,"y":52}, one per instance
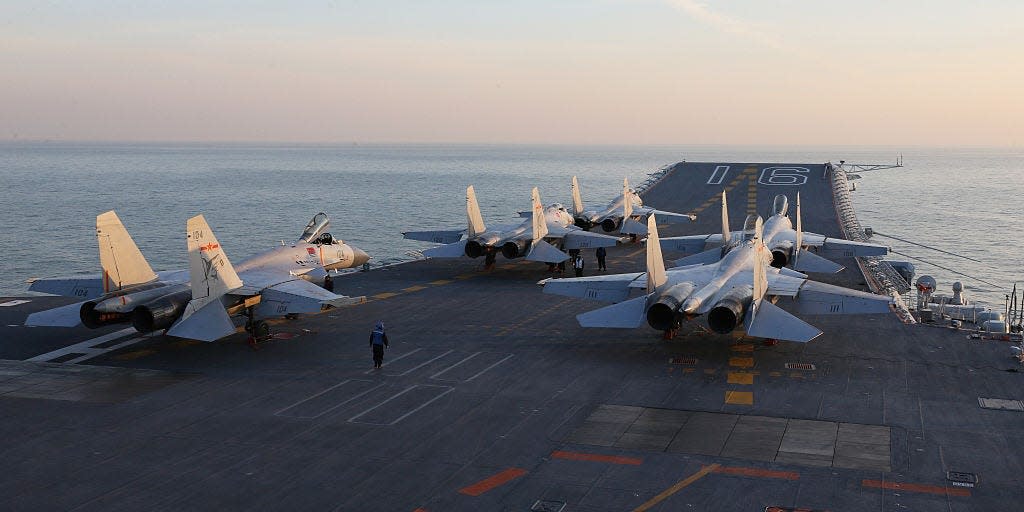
{"x":664,"y":314}
{"x":728,"y":312}
{"x":514,"y":249}
{"x":161,"y":312}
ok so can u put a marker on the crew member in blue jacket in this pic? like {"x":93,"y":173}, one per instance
{"x":378,"y":340}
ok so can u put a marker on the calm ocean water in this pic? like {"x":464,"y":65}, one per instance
{"x":967,"y":201}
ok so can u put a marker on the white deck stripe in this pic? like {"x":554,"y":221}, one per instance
{"x":424,"y":363}
{"x":506,"y":358}
{"x":85,"y":347}
{"x":335,"y":406}
{"x":407,"y":354}
{"x":434,"y":376}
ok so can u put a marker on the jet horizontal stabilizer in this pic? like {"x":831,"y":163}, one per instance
{"x":824,"y":299}
{"x":449,"y":236}
{"x":810,"y":262}
{"x":578,"y":239}
{"x":209,"y":323}
{"x":545,"y":252}
{"x":455,"y":250}
{"x":64,"y":316}
{"x":632,"y":227}
{"x":624,"y":315}
{"x":701,"y":258}
{"x":772,"y":322}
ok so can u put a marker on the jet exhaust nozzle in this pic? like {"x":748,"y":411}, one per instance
{"x":161,"y":312}
{"x":665,"y":314}
{"x":513,"y":249}
{"x":728,"y":312}
{"x":474,"y":249}
{"x":582,"y":223}
{"x":610,"y":224}
{"x":779,"y":258}
{"x":95,"y":319}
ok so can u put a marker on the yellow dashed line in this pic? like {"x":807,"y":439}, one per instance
{"x":414,"y":288}
{"x":739,"y":397}
{"x":385,"y":295}
{"x":465,"y":276}
{"x":135,"y":354}
{"x":689,"y":370}
{"x":775,"y":374}
{"x":746,"y":347}
{"x":710,"y":371}
{"x":741,"y":362}
{"x":441,"y":281}
{"x":741,"y":378}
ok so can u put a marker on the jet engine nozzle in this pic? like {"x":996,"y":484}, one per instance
{"x":610,"y":224}
{"x":582,"y":223}
{"x":94,"y":319}
{"x":665,"y":314}
{"x":728,"y":312}
{"x":779,"y":258}
{"x":514,"y":249}
{"x":474,"y":249}
{"x":161,"y":312}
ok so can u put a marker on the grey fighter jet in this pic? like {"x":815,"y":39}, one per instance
{"x":531,"y":239}
{"x":626,"y":213}
{"x":278,"y":282}
{"x":788,"y":244}
{"x":732,"y":292}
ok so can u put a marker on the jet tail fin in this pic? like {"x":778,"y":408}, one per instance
{"x":577,"y":198}
{"x":627,"y":200}
{"x":760,"y":269}
{"x":122,"y":262}
{"x":726,"y":234}
{"x":766,"y":320}
{"x":212,"y":277}
{"x":798,"y":245}
{"x":656,"y":275}
{"x":540,"y":225}
{"x":473,"y":215}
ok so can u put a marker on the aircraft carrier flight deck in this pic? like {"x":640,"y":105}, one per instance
{"x":492,"y":398}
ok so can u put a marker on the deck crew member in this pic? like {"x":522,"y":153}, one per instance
{"x":378,"y":340}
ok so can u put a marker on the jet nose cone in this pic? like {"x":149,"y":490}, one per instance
{"x":359,"y":257}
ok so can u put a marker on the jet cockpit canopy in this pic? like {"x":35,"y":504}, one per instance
{"x":750,"y":227}
{"x":781,"y":205}
{"x":317,"y":226}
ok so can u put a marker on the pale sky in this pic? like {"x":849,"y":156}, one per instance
{"x":785,"y":72}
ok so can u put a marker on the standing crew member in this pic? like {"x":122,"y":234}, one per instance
{"x":378,"y":340}
{"x":577,"y":265}
{"x":601,"y":253}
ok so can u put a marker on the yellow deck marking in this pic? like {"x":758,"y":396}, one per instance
{"x":414,"y":288}
{"x":385,"y":295}
{"x":746,"y":347}
{"x":689,"y":370}
{"x":741,"y":362}
{"x":741,"y":378}
{"x":465,"y":276}
{"x":184,"y":343}
{"x":710,"y":371}
{"x":439,"y":282}
{"x":135,"y":354}
{"x":676,"y":488}
{"x":796,"y":375}
{"x":739,"y":397}
{"x":775,"y":374}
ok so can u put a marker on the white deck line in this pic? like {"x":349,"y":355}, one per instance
{"x":85,"y":347}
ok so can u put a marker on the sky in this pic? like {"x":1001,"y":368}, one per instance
{"x":786,"y":72}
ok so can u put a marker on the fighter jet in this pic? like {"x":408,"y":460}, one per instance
{"x":788,"y":245}
{"x":275,"y":283}
{"x":529,"y":240}
{"x":740,"y":289}
{"x":626,"y":213}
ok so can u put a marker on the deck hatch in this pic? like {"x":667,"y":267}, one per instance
{"x":1001,"y":404}
{"x":800,"y":366}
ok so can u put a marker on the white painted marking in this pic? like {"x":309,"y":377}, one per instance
{"x":448,"y":389}
{"x":325,"y":411}
{"x":471,"y":356}
{"x":14,"y":303}
{"x":85,"y":347}
{"x":719,"y":175}
{"x":414,"y":368}
{"x":506,"y":358}
{"x":407,"y":354}
{"x":783,"y":176}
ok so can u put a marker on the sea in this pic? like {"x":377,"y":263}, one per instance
{"x":967,"y":202}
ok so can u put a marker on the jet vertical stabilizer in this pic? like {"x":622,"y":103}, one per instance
{"x":120,"y":259}
{"x":476,"y":220}
{"x":798,"y":245}
{"x":539,"y":249}
{"x":656,"y":275}
{"x":627,"y":200}
{"x":725,"y":223}
{"x":577,"y":198}
{"x":212,"y":277}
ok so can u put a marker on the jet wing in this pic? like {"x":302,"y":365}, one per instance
{"x":690,"y":244}
{"x":611,"y":288}
{"x":84,"y":287}
{"x":825,"y":299}
{"x":579,"y":239}
{"x":299,"y":296}
{"x":841,"y":248}
{"x":438,"y":237}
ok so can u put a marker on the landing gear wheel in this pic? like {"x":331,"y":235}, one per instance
{"x":258,"y":331}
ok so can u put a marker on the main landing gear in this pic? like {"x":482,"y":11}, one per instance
{"x":258,"y":330}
